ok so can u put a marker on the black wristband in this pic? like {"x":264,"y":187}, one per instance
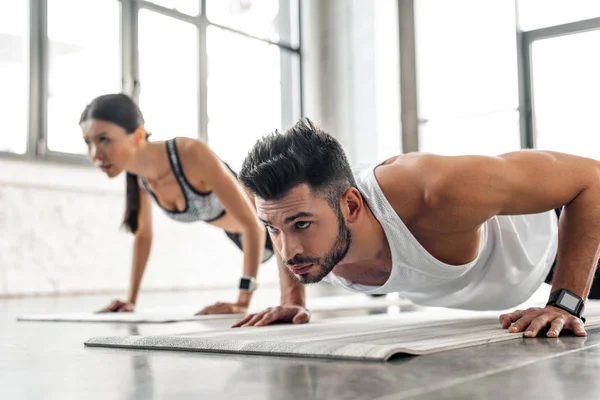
{"x":567,"y":301}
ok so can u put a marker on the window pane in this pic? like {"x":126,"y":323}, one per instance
{"x":168,"y":50}
{"x":535,"y":14}
{"x":466,"y":57}
{"x":491,"y":135}
{"x":190,"y":7}
{"x":14,"y":74}
{"x":276,"y":20}
{"x":566,"y":93}
{"x":85,"y":62}
{"x":245,"y":93}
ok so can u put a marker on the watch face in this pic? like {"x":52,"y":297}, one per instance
{"x":244,"y":284}
{"x":569,"y":301}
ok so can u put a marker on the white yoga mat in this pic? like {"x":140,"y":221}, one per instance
{"x":374,"y":337}
{"x":150,"y":316}
{"x":180,"y":314}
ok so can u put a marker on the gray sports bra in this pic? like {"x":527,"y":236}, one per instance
{"x":199,"y":206}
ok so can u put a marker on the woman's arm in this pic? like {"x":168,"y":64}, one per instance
{"x":141,"y":251}
{"x":251,"y":269}
{"x":237,"y":204}
{"x":141,"y":246}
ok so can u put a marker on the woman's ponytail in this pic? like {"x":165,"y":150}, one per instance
{"x":132,"y":203}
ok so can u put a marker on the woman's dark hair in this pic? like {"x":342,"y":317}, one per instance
{"x":122,"y":111}
{"x":303,"y":154}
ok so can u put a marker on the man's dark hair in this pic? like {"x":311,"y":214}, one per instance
{"x":303,"y":154}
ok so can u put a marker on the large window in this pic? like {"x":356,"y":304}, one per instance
{"x":467,"y":76}
{"x":223,"y":71}
{"x":536,"y":14}
{"x":191,"y":7}
{"x":563,"y":88}
{"x":245,"y":88}
{"x":168,"y":59}
{"x":84,"y":62}
{"x":275,"y":20}
{"x":14,"y":77}
{"x":566,"y":92}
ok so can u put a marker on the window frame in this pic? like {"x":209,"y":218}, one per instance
{"x":526,"y":93}
{"x":38,"y":63}
{"x":410,"y":118}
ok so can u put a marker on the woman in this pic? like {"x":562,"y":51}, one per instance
{"x":187,"y":181}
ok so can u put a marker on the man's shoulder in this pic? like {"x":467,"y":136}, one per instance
{"x":413,"y":169}
{"x":403,"y":181}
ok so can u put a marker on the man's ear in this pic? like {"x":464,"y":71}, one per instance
{"x":352,"y":204}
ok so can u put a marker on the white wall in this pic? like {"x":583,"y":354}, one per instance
{"x":60,"y":233}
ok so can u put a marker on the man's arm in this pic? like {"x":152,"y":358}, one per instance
{"x":527,"y":182}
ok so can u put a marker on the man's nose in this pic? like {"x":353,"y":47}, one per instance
{"x":290,"y":247}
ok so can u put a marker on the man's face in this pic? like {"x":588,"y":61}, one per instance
{"x":311,"y":237}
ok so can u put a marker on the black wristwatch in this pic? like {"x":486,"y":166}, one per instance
{"x":247,"y":284}
{"x":567,"y":301}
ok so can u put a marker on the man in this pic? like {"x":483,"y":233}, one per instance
{"x":470,"y":232}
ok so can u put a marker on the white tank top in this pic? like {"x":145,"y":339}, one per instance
{"x":515,"y":255}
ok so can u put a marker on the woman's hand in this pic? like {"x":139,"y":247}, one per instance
{"x":224,"y":308}
{"x":118,"y":306}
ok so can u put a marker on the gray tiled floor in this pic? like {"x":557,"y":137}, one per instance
{"x":45,"y":360}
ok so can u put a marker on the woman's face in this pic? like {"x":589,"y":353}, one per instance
{"x":110,"y":147}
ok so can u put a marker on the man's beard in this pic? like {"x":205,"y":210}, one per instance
{"x":326,"y":263}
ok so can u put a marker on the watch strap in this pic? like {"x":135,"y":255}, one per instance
{"x":553,"y":301}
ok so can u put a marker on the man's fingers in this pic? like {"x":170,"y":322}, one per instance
{"x":251,"y":319}
{"x":301,"y":318}
{"x":522,"y":322}
{"x":296,"y":315}
{"x":507,"y":319}
{"x":268,"y":318}
{"x":576,"y":326}
{"x":556,"y":327}
{"x":242,"y":321}
{"x":537,"y":324}
{"x":254,"y":319}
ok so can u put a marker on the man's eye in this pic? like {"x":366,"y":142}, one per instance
{"x":104,"y":140}
{"x":270,"y":228}
{"x":302,"y":225}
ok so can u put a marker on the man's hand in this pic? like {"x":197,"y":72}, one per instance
{"x":533,"y":320}
{"x":118,"y":306}
{"x":293,"y":314}
{"x":224,"y":308}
